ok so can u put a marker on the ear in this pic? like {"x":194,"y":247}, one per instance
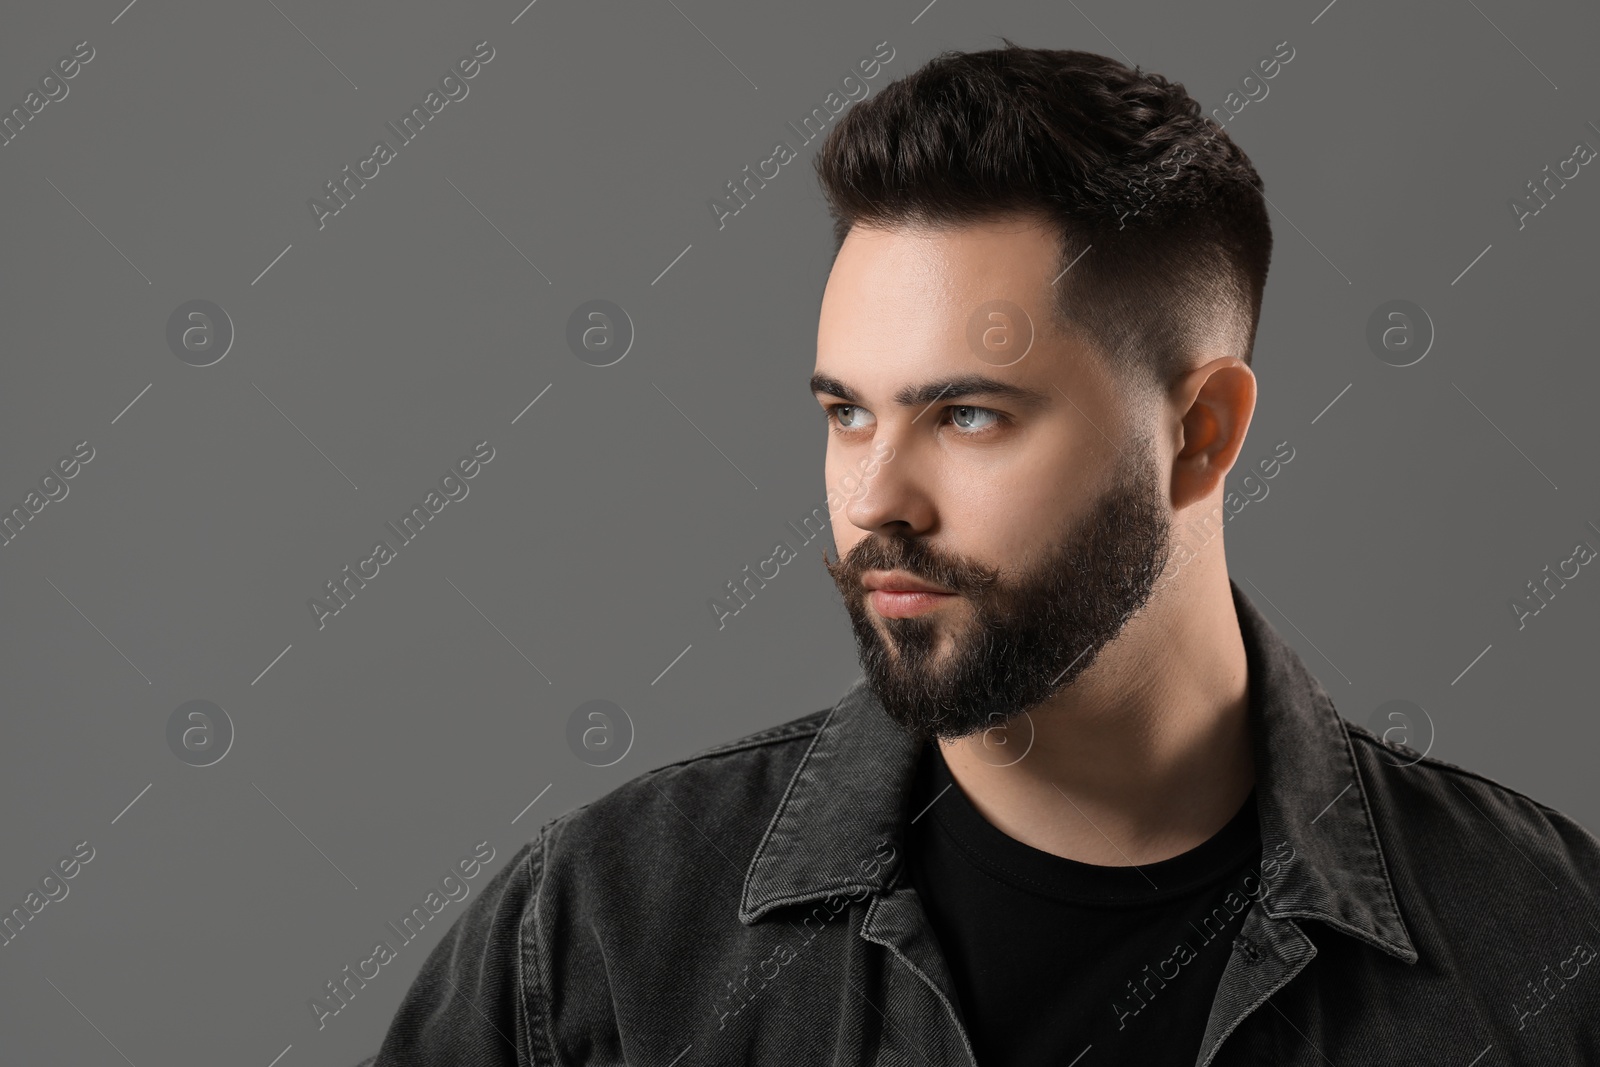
{"x":1214,"y":404}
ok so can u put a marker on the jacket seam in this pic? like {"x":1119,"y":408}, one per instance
{"x":775,"y":735}
{"x":752,"y":742}
{"x":1435,"y":763}
{"x":733,"y":749}
{"x":821,"y":891}
{"x":1373,"y":842}
{"x":536,"y":1019}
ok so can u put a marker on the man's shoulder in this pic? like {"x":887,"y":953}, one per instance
{"x":717,"y":796}
{"x":612,"y":902}
{"x":1422,"y":802}
{"x":800,"y":728}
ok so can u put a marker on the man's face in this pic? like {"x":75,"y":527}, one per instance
{"x":1032,"y":500}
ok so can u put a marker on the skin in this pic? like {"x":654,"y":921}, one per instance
{"x":1147,"y":753}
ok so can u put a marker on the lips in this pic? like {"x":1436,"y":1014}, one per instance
{"x":900,"y":582}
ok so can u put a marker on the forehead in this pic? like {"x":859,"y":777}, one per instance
{"x":923,"y":268}
{"x":904,"y":302}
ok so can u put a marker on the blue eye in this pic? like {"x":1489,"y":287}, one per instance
{"x":837,"y":420}
{"x":969,"y":420}
{"x":955,"y":417}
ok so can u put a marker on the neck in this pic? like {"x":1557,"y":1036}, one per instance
{"x":1145,"y":755}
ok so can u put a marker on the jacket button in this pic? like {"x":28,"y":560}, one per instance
{"x":1248,"y":949}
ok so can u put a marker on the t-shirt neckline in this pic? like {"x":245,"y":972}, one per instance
{"x":1000,"y":856}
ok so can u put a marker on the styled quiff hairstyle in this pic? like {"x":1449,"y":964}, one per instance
{"x":1119,"y":161}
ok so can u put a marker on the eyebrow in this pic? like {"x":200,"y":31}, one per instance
{"x":965,"y":385}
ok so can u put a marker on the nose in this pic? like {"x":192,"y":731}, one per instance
{"x":892,"y":498}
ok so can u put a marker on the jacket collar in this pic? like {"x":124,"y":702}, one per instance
{"x":848,"y":798}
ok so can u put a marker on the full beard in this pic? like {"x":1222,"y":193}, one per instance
{"x":1027,"y":637}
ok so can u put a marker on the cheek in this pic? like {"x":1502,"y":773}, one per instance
{"x":1004,"y":509}
{"x":1032,"y":514}
{"x":1010,"y":518}
{"x":837,"y":501}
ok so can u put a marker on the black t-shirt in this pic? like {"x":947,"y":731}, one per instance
{"x":1051,"y":956}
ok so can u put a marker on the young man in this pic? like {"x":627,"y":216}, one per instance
{"x":1086,"y":806}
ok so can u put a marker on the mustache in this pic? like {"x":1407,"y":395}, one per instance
{"x":916,"y":557}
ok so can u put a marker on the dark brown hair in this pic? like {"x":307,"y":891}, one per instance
{"x":1122,"y":162}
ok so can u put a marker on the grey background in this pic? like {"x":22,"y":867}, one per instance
{"x":428,"y":715}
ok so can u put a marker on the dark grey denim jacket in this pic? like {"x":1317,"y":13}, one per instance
{"x":750,"y":905}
